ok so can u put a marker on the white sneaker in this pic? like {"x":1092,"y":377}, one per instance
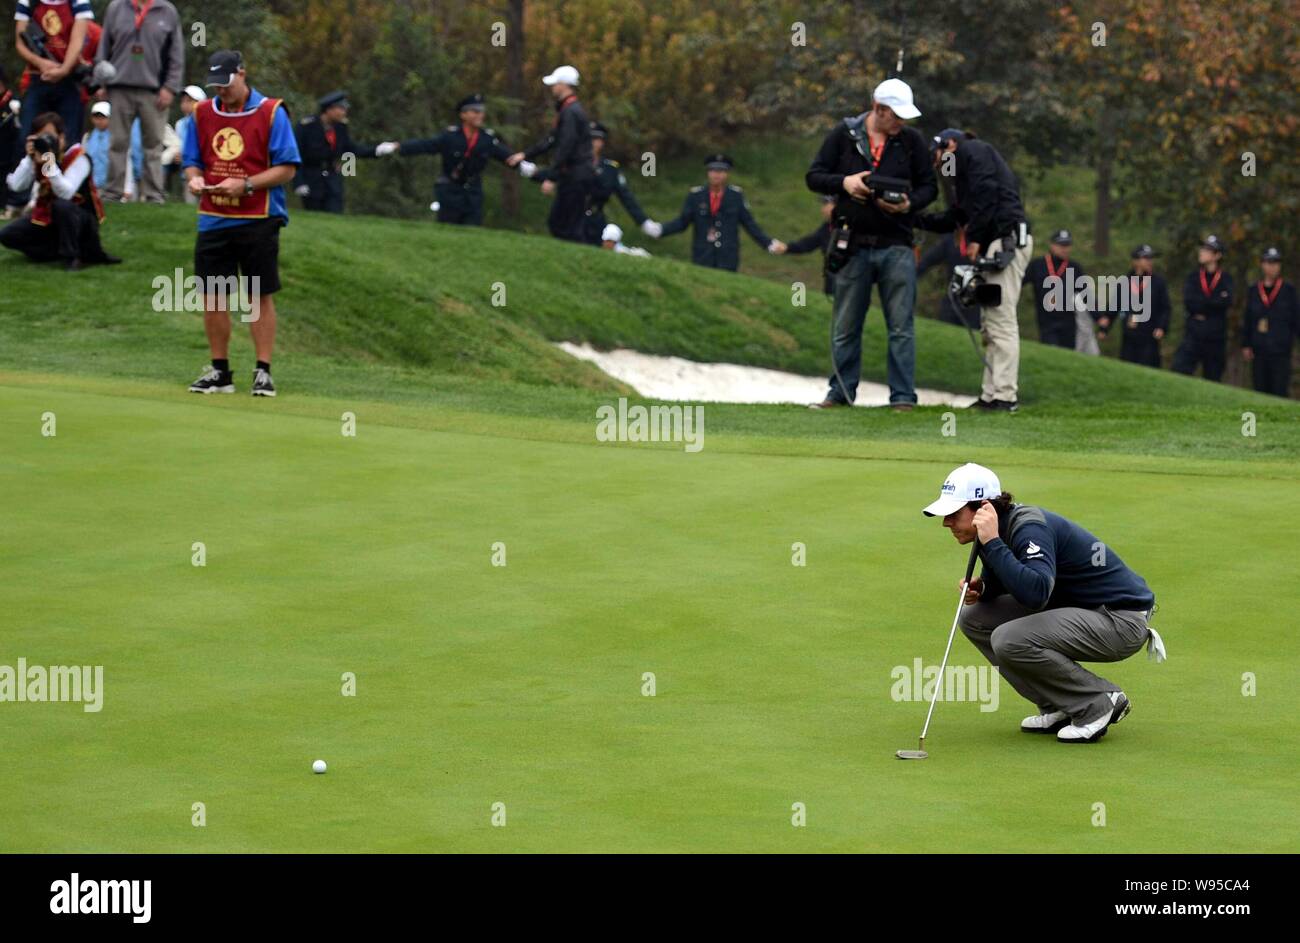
{"x":1045,"y":723}
{"x":1091,"y":733}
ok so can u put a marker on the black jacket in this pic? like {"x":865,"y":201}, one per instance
{"x":451,"y":143}
{"x":987,"y":196}
{"x":845,"y":151}
{"x":1036,"y":275}
{"x":611,"y":182}
{"x":1280,"y":321}
{"x":318,"y":158}
{"x":1209,"y":311}
{"x":723,"y":251}
{"x":1157,"y":314}
{"x":818,"y":240}
{"x":570,"y":139}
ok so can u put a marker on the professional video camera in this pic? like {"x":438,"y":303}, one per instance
{"x":968,"y":287}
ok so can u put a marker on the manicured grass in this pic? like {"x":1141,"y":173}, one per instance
{"x":405,"y":311}
{"x":523,"y":684}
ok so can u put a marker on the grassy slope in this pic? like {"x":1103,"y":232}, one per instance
{"x":522,"y":684}
{"x":402,"y":311}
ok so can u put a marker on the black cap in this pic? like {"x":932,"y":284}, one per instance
{"x":1143,"y":251}
{"x":473,"y":102}
{"x":222,"y":67}
{"x":718,"y":162}
{"x":943,"y":137}
{"x":1271,"y":254}
{"x":332,"y":99}
{"x":1062,"y":237}
{"x":1212,"y":242}
{"x":598,"y":131}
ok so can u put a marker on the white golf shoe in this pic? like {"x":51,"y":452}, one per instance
{"x":1091,"y":733}
{"x":1045,"y":723}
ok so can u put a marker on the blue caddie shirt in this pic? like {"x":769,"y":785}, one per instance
{"x":284,"y":150}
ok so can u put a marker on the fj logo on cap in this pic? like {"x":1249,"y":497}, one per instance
{"x":979,"y":492}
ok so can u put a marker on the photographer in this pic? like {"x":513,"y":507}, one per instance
{"x":987,"y":203}
{"x":50,"y":36}
{"x":877,"y":168}
{"x":143,"y":41}
{"x":66,"y":213}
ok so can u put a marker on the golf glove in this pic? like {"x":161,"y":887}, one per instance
{"x":526,"y":168}
{"x":388,"y":147}
{"x":652,"y":229}
{"x":1155,"y":646}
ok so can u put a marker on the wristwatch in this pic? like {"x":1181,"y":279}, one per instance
{"x":248,"y":186}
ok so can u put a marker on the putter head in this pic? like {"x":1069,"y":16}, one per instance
{"x":912,"y":755}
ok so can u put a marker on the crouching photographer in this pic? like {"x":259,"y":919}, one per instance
{"x":65,"y":212}
{"x":986,"y":200}
{"x":879,"y":171}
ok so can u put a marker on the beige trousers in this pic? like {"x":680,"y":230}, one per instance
{"x":1001,"y":328}
{"x":128,"y":103}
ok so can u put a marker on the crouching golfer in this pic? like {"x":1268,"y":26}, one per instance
{"x":1050,"y":595}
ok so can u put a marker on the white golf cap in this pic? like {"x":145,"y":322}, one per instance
{"x":971,"y":482}
{"x":102,"y":108}
{"x":611,"y":233}
{"x":897,"y":94}
{"x":194,"y":92}
{"x":564,"y":75}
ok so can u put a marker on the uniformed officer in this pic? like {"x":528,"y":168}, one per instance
{"x":1055,"y":326}
{"x":571,"y":176}
{"x":465,"y":149}
{"x":1272,"y":321}
{"x":819,"y":240}
{"x":322,"y":142}
{"x":610,"y":182}
{"x":1207,"y":295}
{"x":716,"y":211}
{"x":1144,"y":318}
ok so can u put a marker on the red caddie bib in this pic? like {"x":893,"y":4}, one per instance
{"x":237,"y":145}
{"x":86,"y":193}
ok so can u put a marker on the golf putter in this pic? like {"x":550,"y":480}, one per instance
{"x":919,"y":753}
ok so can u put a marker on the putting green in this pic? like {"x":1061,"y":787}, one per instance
{"x":523,"y":684}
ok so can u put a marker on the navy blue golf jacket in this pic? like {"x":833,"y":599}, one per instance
{"x":1049,"y":562}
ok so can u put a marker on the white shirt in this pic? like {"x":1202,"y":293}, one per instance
{"x":64,"y":183}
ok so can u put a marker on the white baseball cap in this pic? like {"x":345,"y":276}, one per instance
{"x":101,"y":108}
{"x":971,"y":482}
{"x":897,"y":94}
{"x":611,"y":233}
{"x":194,"y":92}
{"x":565,"y":75}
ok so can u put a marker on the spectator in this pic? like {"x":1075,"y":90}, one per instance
{"x":63,"y":223}
{"x":10,"y":120}
{"x":818,"y":240}
{"x":612,"y":238}
{"x":142,"y":40}
{"x":51,"y":36}
{"x":97,"y":141}
{"x":190,"y":96}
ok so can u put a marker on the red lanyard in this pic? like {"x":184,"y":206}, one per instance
{"x":876,"y":150}
{"x":1135,"y":284}
{"x":141,"y":11}
{"x":1065,"y":264}
{"x":330,"y":137}
{"x":470,"y":140}
{"x":1207,"y":288}
{"x":961,"y":241}
{"x":1271,"y":297}
{"x":715,"y":202}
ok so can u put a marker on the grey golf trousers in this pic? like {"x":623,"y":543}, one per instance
{"x":1038,"y":653}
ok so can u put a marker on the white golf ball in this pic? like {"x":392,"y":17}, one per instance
{"x":318,"y":766}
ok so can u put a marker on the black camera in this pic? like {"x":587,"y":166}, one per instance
{"x":893,"y":190}
{"x":44,"y":144}
{"x":968,"y":287}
